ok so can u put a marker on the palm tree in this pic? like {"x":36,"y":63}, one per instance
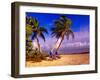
{"x":33,"y":32}
{"x":62,"y":29}
{"x":38,"y":32}
{"x":31,"y":25}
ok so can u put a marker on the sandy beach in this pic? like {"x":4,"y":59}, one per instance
{"x":68,"y":59}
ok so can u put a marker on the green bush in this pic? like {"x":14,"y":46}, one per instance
{"x":35,"y":55}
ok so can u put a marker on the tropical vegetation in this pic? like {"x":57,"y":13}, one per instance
{"x":34,"y":31}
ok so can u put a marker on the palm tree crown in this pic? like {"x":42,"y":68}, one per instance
{"x":39,"y":32}
{"x":62,"y":27}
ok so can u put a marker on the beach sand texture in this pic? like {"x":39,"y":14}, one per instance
{"x":68,"y":59}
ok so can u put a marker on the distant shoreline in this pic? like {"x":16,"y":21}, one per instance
{"x":75,"y":53}
{"x":47,"y":54}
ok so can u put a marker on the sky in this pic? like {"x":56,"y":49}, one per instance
{"x":80,"y":27}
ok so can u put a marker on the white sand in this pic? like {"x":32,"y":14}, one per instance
{"x":70,"y":59}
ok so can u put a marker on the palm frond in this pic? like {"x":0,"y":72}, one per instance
{"x":42,"y":29}
{"x":35,"y":22}
{"x":58,"y":23}
{"x":32,"y":21}
{"x":57,"y":31}
{"x":39,"y":32}
{"x":68,"y":33}
{"x":66,"y":20}
{"x":42,"y":36}
{"x":34,"y":34}
{"x":63,"y":18}
{"x":69,"y":22}
{"x":56,"y":34}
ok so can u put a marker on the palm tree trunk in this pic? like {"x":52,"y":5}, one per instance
{"x":54,"y":46}
{"x":59,"y":43}
{"x":38,"y":43}
{"x":62,"y":37}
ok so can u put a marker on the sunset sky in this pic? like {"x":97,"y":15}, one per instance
{"x":80,"y":27}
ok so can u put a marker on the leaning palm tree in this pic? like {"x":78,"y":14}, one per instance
{"x":34,"y":29}
{"x":62,"y":29}
{"x":38,"y":32}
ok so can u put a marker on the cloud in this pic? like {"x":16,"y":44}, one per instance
{"x":76,"y":44}
{"x":79,"y":44}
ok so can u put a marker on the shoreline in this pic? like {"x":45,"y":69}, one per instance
{"x":66,"y":59}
